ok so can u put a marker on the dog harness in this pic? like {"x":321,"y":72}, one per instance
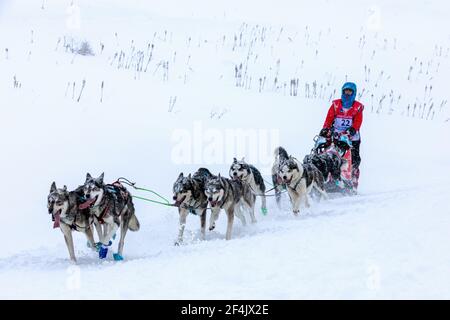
{"x":192,"y":208}
{"x":100,"y":219}
{"x":73,"y":225}
{"x":305,"y":176}
{"x":116,"y":189}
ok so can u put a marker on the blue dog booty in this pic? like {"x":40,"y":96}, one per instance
{"x":103,"y":249}
{"x":117,"y":257}
{"x":103,"y":252}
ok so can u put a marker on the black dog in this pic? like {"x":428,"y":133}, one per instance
{"x":329,"y":164}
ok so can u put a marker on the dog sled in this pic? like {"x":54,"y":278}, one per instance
{"x":337,"y":147}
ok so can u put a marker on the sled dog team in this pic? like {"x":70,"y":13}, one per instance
{"x":109,"y":207}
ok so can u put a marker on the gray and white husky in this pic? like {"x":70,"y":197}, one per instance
{"x":189,"y":196}
{"x":247,"y":173}
{"x":280,"y":155}
{"x":300,"y":179}
{"x":112,"y":206}
{"x":64,"y":207}
{"x":232,"y":196}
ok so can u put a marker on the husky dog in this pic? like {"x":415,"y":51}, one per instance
{"x":299,"y":180}
{"x":189,"y":196}
{"x":230,"y":195}
{"x":64,"y":205}
{"x":247,"y":173}
{"x":281,"y":155}
{"x":329,"y":164}
{"x":111,"y":206}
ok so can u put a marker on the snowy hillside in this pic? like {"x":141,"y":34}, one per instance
{"x":146,"y":90}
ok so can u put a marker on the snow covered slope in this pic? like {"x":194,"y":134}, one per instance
{"x":172,"y":80}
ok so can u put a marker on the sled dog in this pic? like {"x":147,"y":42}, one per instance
{"x":245,"y":172}
{"x":64,"y":205}
{"x":230,"y":195}
{"x":189,"y":196}
{"x":280,"y":155}
{"x":299,"y":180}
{"x":111,"y":205}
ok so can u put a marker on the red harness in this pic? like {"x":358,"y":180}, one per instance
{"x":88,"y":203}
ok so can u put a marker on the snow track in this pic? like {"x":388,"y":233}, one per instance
{"x":364,"y":246}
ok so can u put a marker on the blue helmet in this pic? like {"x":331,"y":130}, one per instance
{"x":347,"y":101}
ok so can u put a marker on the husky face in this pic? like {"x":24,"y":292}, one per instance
{"x":57,"y":203}
{"x":182,"y":189}
{"x":239,"y":170}
{"x":214,"y":190}
{"x":93,"y":188}
{"x":288,"y":170}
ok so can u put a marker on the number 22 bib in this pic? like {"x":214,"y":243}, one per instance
{"x":342,"y":123}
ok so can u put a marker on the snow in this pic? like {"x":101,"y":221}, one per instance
{"x":391,"y":241}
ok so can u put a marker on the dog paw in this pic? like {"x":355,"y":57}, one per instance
{"x":177,"y":243}
{"x":97,"y":247}
{"x":102,"y":253}
{"x":296,"y":212}
{"x":212,"y":228}
{"x":117,"y":257}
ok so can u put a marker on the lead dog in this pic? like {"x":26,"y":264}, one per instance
{"x":112,"y":206}
{"x":64,"y":207}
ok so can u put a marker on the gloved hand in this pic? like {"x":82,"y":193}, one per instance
{"x":351,"y":131}
{"x":325,"y":132}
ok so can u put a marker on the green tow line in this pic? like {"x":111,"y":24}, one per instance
{"x":166,"y":202}
{"x":154,"y":201}
{"x":132,"y":184}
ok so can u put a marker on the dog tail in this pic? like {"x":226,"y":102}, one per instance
{"x":203,"y":172}
{"x":133,"y":224}
{"x":280,"y":152}
{"x":258,"y":178}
